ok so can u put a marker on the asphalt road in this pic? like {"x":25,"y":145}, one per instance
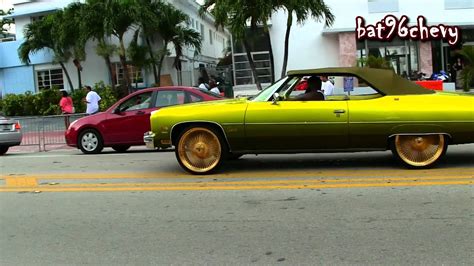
{"x":140,"y":208}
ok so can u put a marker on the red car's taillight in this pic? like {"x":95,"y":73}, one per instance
{"x":17,"y":125}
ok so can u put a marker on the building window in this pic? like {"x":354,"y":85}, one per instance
{"x":210,"y":36}
{"x":51,"y":78}
{"x":260,"y":47}
{"x":382,"y":6}
{"x":135,"y":74}
{"x":202,"y":31}
{"x":401,"y":55}
{"x":458,"y":4}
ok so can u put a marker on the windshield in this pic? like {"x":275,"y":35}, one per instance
{"x":265,"y":94}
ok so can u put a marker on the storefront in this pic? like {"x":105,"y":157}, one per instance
{"x":401,"y":55}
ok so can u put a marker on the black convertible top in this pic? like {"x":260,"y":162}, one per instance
{"x":385,"y":81}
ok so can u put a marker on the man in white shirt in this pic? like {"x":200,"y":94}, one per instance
{"x":202,"y":85}
{"x":92,"y":100}
{"x":213,"y":86}
{"x":327,"y":86}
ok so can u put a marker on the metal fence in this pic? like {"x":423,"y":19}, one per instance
{"x":42,"y":131}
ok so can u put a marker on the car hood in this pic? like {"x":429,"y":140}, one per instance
{"x":89,"y":120}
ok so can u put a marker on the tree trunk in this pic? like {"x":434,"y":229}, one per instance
{"x":289,"y":22}
{"x":123,"y":61}
{"x":160,"y":65}
{"x":67,"y":76}
{"x":251,"y":63}
{"x":79,"y":78}
{"x":272,"y":61}
{"x":111,"y":76}
{"x":152,"y":56}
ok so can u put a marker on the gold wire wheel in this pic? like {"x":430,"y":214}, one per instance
{"x":199,"y":150}
{"x":421,"y":150}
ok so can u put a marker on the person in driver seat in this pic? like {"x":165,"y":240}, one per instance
{"x":312,"y":93}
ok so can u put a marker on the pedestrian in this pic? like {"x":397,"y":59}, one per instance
{"x":92,"y":100}
{"x":327,"y":87}
{"x":202,"y":84}
{"x":213,"y":87}
{"x":458,"y":67}
{"x":67,"y":107}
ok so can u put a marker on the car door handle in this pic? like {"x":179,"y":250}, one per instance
{"x":339,"y":111}
{"x":140,"y":113}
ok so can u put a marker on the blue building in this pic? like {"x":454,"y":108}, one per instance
{"x":16,"y":77}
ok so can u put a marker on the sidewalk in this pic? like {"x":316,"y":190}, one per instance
{"x":35,"y":148}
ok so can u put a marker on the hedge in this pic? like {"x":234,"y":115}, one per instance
{"x":46,"y":102}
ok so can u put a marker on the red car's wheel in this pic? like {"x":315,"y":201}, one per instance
{"x":90,"y":141}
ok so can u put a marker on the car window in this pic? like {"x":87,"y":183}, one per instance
{"x":193,"y":98}
{"x":351,"y":88}
{"x":137,"y":102}
{"x":167,"y":98}
{"x":337,"y":88}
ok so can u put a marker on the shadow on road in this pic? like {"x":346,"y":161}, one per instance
{"x":325,"y":161}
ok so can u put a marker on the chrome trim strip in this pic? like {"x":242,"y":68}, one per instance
{"x":297,"y":123}
{"x":233,"y":124}
{"x":423,"y":134}
{"x":201,"y":121}
{"x":308,"y":151}
{"x":389,"y":122}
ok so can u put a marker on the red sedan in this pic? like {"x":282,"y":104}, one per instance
{"x":124,"y":124}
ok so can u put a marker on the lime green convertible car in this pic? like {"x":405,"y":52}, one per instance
{"x":370,"y":110}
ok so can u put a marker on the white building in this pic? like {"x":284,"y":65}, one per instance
{"x":312,"y":45}
{"x":15,"y":77}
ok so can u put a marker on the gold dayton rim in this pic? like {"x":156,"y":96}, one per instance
{"x":421,"y":150}
{"x":199,"y":150}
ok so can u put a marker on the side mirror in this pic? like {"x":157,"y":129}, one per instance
{"x":276,"y":97}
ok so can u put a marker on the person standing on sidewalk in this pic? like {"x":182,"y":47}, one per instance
{"x":92,"y":100}
{"x":327,"y":86}
{"x":67,"y":107}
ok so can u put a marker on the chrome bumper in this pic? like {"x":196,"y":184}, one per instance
{"x":149,"y":139}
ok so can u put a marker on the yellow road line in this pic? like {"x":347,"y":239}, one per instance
{"x":313,"y":173}
{"x":21,"y":182}
{"x":269,"y":182}
{"x":243,"y":187}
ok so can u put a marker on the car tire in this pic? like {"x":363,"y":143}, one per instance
{"x":121,"y":148}
{"x":419,"y":151}
{"x":200,"y":150}
{"x":90,"y":141}
{"x":3,"y":149}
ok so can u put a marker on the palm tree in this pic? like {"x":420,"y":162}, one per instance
{"x":39,"y":35}
{"x":467,"y":73}
{"x":119,"y":17}
{"x":170,"y":27}
{"x":138,"y":55}
{"x":70,"y":34}
{"x":149,"y":13}
{"x":235,"y":15}
{"x":93,"y":27}
{"x":302,"y":9}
